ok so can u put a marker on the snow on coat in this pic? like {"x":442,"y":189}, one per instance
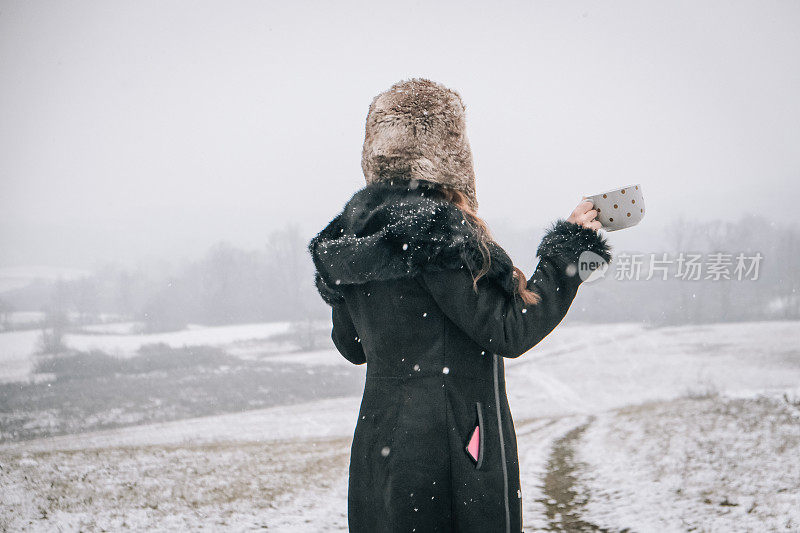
{"x":434,"y":447}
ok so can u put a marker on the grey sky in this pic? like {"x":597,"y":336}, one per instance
{"x":158,"y":128}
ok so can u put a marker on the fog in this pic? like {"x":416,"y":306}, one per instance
{"x":167,"y":362}
{"x":152,"y":129}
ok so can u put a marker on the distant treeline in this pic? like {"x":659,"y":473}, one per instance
{"x":711,"y":293}
{"x":230,"y":285}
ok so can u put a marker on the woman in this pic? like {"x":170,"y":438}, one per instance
{"x":421,"y":293}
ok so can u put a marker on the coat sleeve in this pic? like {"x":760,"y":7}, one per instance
{"x":345,"y":336}
{"x":501,"y":323}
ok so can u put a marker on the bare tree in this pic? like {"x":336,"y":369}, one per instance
{"x":86,"y":299}
{"x":6,"y":309}
{"x":56,"y":320}
{"x":54,"y":327}
{"x":290,"y":270}
{"x":682,"y":235}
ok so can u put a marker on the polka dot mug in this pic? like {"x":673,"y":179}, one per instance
{"x":619,"y":208}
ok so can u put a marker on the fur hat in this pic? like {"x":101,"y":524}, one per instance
{"x":417,"y":130}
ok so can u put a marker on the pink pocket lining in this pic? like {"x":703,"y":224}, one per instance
{"x":473,"y":448}
{"x":475,"y":445}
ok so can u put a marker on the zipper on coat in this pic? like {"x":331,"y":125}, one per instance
{"x":502,"y":442}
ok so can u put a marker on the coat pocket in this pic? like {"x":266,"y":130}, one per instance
{"x":474,"y":446}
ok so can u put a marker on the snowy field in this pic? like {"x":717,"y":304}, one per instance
{"x":18,"y":348}
{"x":619,"y":427}
{"x":703,"y":464}
{"x":18,"y":277}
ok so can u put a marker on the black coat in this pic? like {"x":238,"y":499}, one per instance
{"x":395,"y":267}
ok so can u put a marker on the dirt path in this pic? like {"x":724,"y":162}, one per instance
{"x":563,"y":504}
{"x":246,"y":485}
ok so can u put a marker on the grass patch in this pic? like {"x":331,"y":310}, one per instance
{"x":150,"y":358}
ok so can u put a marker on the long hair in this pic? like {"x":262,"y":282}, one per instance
{"x":460,"y":200}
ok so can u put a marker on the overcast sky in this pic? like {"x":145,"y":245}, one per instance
{"x":159,"y":128}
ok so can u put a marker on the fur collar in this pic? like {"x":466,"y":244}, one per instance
{"x":396,"y":229}
{"x":392,"y":230}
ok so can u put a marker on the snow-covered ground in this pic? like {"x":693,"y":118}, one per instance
{"x":118,"y":328}
{"x":285,"y":467}
{"x":704,"y":464}
{"x":18,"y":348}
{"x":332,"y":417}
{"x":22,"y":318}
{"x":127,"y":345}
{"x":18,"y":277}
{"x":592,"y":368}
{"x":280,"y":486}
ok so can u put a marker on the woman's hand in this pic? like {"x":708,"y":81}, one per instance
{"x":584,"y":215}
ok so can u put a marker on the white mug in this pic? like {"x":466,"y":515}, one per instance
{"x":619,"y":208}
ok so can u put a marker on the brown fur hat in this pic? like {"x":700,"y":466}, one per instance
{"x":417,"y":130}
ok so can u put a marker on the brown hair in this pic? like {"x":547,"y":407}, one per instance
{"x":460,"y":200}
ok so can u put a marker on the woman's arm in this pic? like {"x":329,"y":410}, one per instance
{"x":503,"y":324}
{"x":345,"y":336}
